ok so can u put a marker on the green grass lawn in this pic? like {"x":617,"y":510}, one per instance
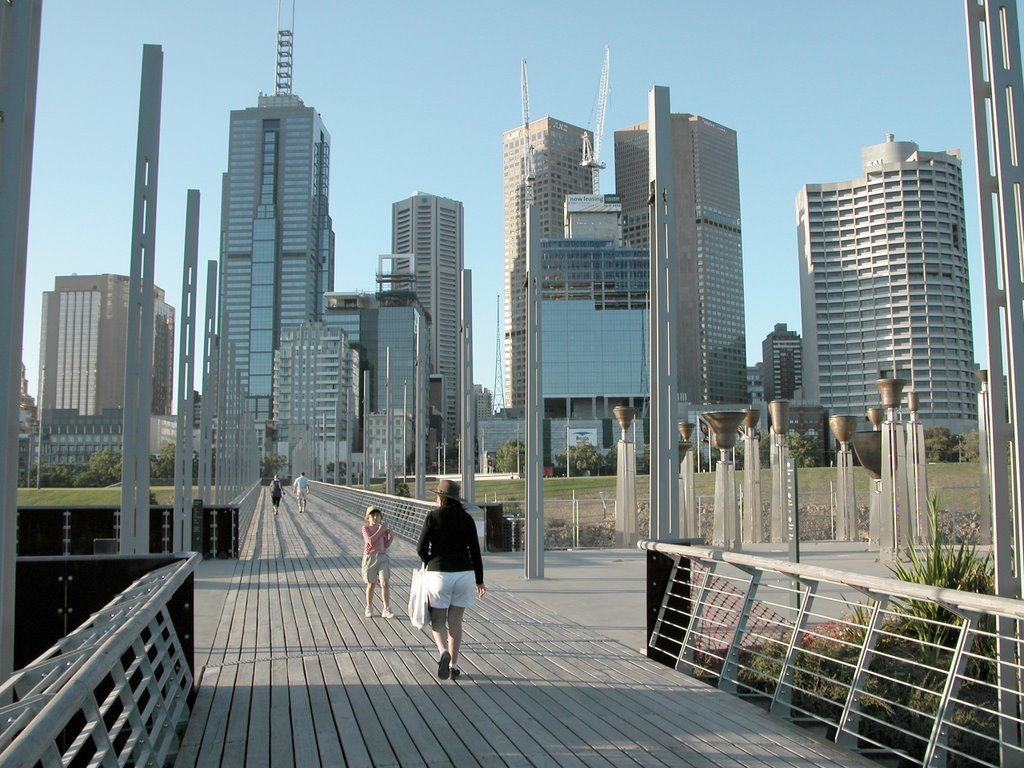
{"x":956,"y":485}
{"x":58,"y":497}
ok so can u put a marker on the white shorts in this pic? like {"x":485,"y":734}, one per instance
{"x":447,"y":589}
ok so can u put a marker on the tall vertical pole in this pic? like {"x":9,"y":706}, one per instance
{"x":389,"y":464}
{"x":138,"y":368}
{"x":534,"y":398}
{"x":419,"y":396}
{"x":367,"y":463}
{"x":467,"y":456}
{"x":207,"y":407}
{"x":664,"y":289}
{"x":186,"y":366}
{"x":19,"y":63}
{"x":993,"y":46}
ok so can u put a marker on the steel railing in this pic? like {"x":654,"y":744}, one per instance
{"x":888,"y":668}
{"x":113,"y":692}
{"x":404,"y":516}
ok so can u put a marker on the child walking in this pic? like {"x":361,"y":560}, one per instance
{"x":376,"y":567}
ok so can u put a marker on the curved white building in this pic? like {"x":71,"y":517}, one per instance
{"x":884,"y":285}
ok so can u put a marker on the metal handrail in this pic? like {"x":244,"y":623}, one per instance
{"x":121,"y":680}
{"x":887,"y":667}
{"x":405,"y":516}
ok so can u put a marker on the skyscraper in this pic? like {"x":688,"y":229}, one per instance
{"x":884,"y":285}
{"x":277,"y":244}
{"x":82,"y":345}
{"x":430,"y":228}
{"x":556,"y":149}
{"x":707,"y":242}
{"x":782,"y":354}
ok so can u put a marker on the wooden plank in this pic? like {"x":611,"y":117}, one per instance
{"x":303,"y":733}
{"x":257,"y":748}
{"x":281,"y":753}
{"x":344,"y":715}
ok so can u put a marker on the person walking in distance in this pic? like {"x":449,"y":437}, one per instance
{"x":275,"y":493}
{"x":301,"y":488}
{"x":449,"y":547}
{"x":376,"y":563}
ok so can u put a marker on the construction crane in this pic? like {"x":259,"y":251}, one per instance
{"x":528,"y":170}
{"x":592,"y":153}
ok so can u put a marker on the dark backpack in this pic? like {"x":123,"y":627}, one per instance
{"x":275,"y":487}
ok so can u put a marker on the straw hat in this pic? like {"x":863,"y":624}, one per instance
{"x":449,"y":489}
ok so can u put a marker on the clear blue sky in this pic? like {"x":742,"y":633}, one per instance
{"x":416,"y":96}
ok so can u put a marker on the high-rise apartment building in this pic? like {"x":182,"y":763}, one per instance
{"x":782,"y":355}
{"x":277,"y":244}
{"x":554,"y":150}
{"x":83,"y":343}
{"x":430,"y":229}
{"x":884,"y":285}
{"x":707,"y":243}
{"x":316,"y":376}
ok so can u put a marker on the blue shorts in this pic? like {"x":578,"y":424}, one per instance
{"x":447,"y":589}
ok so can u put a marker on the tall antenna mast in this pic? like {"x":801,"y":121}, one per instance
{"x":284,"y":54}
{"x":498,"y":400}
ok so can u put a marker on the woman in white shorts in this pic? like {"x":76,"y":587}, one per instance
{"x":449,"y":547}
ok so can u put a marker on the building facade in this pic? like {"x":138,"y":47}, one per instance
{"x":707,"y":243}
{"x":316,"y":373}
{"x":884,"y":285}
{"x":430,"y":229}
{"x":594,"y":316}
{"x":382,"y":329}
{"x":83,"y":341}
{"x":277,"y":242}
{"x":782,"y":355}
{"x":552,"y":150}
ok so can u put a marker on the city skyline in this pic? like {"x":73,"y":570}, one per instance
{"x":799,"y":119}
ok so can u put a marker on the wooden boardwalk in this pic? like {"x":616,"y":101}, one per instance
{"x":297,"y":676}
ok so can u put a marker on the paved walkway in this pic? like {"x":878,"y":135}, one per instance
{"x":291,"y":673}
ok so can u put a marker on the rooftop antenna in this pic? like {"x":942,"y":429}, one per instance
{"x":284,"y":54}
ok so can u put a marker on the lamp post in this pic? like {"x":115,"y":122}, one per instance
{"x":625,"y":480}
{"x":843,"y":428}
{"x":778,"y":411}
{"x":894,"y":522}
{"x":917,"y":472}
{"x":753,"y":528}
{"x":726,"y":526}
{"x":688,"y":514}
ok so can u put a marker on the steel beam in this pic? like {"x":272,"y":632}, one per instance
{"x":19,"y":63}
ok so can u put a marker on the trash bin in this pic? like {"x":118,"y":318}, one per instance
{"x":512,"y":533}
{"x":493,"y":524}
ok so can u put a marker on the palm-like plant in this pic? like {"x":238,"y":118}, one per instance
{"x":939,"y":565}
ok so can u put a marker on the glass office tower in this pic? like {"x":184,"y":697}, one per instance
{"x":594,"y":316}
{"x":706,"y":241}
{"x":277,"y":244}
